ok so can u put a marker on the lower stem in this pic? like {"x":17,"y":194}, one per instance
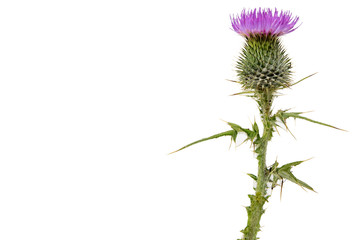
{"x":255,"y":210}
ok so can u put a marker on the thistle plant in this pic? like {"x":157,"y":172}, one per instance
{"x":263,"y":70}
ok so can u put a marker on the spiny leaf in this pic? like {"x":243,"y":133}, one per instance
{"x":317,"y":122}
{"x":303,"y":79}
{"x":283,"y":115}
{"x":290,"y":176}
{"x":283,"y":120}
{"x":251,"y":135}
{"x":288,"y":166}
{"x":285,"y":172}
{"x":231,"y":133}
{"x":239,"y":129}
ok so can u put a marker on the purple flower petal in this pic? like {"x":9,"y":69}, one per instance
{"x":263,"y":21}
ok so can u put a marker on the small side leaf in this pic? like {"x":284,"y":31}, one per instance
{"x":252,"y":176}
{"x":255,"y":128}
{"x":231,"y":133}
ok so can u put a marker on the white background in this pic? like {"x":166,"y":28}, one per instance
{"x":95,"y":94}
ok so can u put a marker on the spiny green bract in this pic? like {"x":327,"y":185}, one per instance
{"x":264,"y":64}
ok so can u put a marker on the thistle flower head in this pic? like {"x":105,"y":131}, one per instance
{"x":263,"y":22}
{"x":263,"y":64}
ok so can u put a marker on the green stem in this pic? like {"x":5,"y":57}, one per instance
{"x":255,"y":210}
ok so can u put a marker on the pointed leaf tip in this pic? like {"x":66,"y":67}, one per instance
{"x":320,"y":123}
{"x":292,"y":164}
{"x":231,"y":133}
{"x":243,"y":93}
{"x":303,"y":79}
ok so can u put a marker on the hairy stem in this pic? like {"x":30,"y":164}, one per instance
{"x":255,"y":210}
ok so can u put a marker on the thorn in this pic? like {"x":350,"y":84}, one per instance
{"x":281,"y":188}
{"x":307,"y":111}
{"x":242,"y":143}
{"x":250,"y":120}
{"x":280,"y":127}
{"x":232,"y":80}
{"x":173,"y":152}
{"x":244,"y":93}
{"x":277,"y":131}
{"x":307,"y":159}
{"x":302,"y":188}
{"x":303,"y":79}
{"x":223,"y":120}
{"x":289,"y":130}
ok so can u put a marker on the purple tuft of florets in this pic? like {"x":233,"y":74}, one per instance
{"x":263,"y":22}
